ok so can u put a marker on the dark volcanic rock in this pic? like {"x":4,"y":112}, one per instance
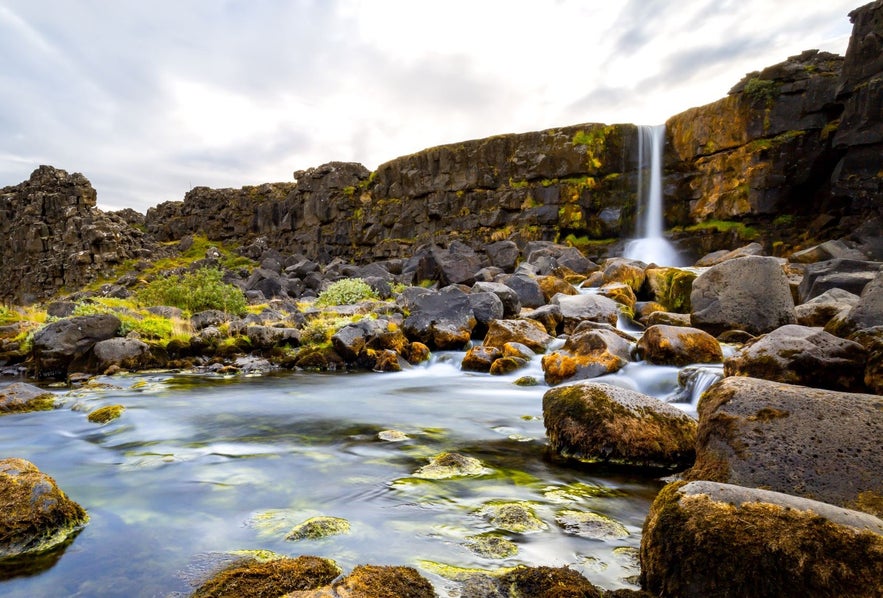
{"x":54,"y":237}
{"x":710,"y":539}
{"x":808,"y":442}
{"x":60,"y":343}
{"x":678,"y":345}
{"x":441,"y":320}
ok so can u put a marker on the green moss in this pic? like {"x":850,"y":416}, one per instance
{"x":515,"y":517}
{"x":106,"y":414}
{"x":491,"y":546}
{"x":783,"y":220}
{"x":518,"y":184}
{"x":582,"y":138}
{"x":761,"y":91}
{"x":349,"y":191}
{"x":251,"y":578}
{"x":742,"y":230}
{"x":384,"y":582}
{"x":317,"y":528}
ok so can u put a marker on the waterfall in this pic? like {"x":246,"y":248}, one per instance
{"x":650,"y":245}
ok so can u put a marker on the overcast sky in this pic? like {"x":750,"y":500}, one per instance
{"x":150,"y":98}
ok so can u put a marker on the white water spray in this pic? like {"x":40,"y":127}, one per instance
{"x":651,"y":246}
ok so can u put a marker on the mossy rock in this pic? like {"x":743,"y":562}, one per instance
{"x":319,"y":527}
{"x":590,"y":525}
{"x":671,"y":287}
{"x":711,"y":539}
{"x":106,"y":414}
{"x":36,"y":515}
{"x":678,"y":345}
{"x":451,"y":465}
{"x":21,"y":398}
{"x":597,"y":422}
{"x":253,"y":578}
{"x":515,"y":517}
{"x":373,"y":581}
{"x":491,"y":546}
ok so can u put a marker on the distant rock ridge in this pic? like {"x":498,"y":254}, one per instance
{"x":55,"y":237}
{"x":791,"y":157}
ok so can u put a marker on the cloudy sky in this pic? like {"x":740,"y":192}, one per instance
{"x":149,"y":99}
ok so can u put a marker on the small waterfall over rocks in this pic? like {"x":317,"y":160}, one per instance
{"x":651,"y":246}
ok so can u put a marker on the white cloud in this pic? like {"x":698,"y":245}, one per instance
{"x":148,"y":99}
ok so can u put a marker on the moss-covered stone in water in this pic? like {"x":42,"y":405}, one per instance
{"x":491,"y":546}
{"x":384,"y":582}
{"x":515,"y":517}
{"x":590,"y":525}
{"x":317,"y":528}
{"x":252,"y":578}
{"x":106,"y":414}
{"x":21,"y":398}
{"x":548,"y":582}
{"x":35,"y":515}
{"x":527,"y":381}
{"x":450,"y":465}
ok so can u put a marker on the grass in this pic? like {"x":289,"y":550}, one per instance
{"x":742,"y":230}
{"x":194,"y":292}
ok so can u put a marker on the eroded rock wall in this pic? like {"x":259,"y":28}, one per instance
{"x":55,"y":237}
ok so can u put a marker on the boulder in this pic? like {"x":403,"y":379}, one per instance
{"x":724,"y":255}
{"x":210,"y":317}
{"x":621,"y":293}
{"x":551,"y":285}
{"x":846,"y":274}
{"x":547,"y":315}
{"x":818,"y":311}
{"x":527,"y":332}
{"x":872,"y":340}
{"x":486,"y":307}
{"x":828,"y":250}
{"x":749,"y":293}
{"x":809,"y":442}
{"x":127,"y":353}
{"x":630,"y":272}
{"x":36,"y":515}
{"x":251,"y":577}
{"x":677,"y":345}
{"x":578,"y":308}
{"x":671,"y":287}
{"x":526,"y":287}
{"x":503,"y":255}
{"x":666,"y":318}
{"x":586,"y":354}
{"x":509,"y":298}
{"x":58,"y":344}
{"x":441,"y":320}
{"x":480,"y":358}
{"x":597,"y":422}
{"x":21,"y":397}
{"x":800,"y":355}
{"x":712,"y":539}
{"x":455,"y":265}
{"x":269,"y":337}
{"x":867,"y":312}
{"x":268,"y":281}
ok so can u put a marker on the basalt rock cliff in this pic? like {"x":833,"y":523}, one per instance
{"x":791,"y":157}
{"x":54,"y":237}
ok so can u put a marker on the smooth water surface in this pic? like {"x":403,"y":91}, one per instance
{"x":200,"y":464}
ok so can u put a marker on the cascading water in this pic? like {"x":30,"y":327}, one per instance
{"x":651,"y":246}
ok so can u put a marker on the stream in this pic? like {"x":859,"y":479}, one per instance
{"x":203,"y":464}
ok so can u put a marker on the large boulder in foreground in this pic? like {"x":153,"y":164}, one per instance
{"x":678,"y":345}
{"x":802,"y":355}
{"x":441,"y":320}
{"x":748,"y":293}
{"x":711,"y":539}
{"x":58,"y":344}
{"x":809,"y":442}
{"x":35,"y":515}
{"x":598,"y":422}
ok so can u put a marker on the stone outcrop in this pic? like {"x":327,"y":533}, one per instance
{"x":709,"y":539}
{"x":808,"y":442}
{"x":599,"y":422}
{"x":54,"y":237}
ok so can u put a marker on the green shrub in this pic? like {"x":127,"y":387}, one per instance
{"x":194,"y":292}
{"x":345,"y":292}
{"x":761,"y":91}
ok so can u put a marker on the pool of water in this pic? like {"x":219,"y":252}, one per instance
{"x":201,"y":464}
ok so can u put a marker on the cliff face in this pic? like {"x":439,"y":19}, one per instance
{"x":55,"y":237}
{"x":576,"y":181}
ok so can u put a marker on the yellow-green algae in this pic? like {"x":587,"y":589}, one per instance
{"x":515,"y":517}
{"x":450,"y":465}
{"x":491,"y":546}
{"x":316,"y":528}
{"x":106,"y":414}
{"x":587,"y":524}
